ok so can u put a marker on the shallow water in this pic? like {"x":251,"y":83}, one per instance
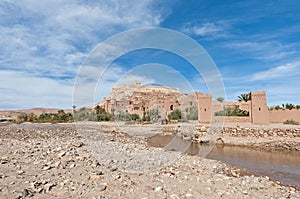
{"x":283,"y":166}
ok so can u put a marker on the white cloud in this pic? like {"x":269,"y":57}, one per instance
{"x":47,"y":41}
{"x":57,"y":30}
{"x":211,"y":29}
{"x":261,"y":50}
{"x":20,"y":90}
{"x":286,"y":70}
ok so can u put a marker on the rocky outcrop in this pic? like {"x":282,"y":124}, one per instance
{"x":268,"y":138}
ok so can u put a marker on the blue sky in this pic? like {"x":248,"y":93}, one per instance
{"x":255,"y":45}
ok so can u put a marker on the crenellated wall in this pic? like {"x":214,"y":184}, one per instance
{"x":257,"y":107}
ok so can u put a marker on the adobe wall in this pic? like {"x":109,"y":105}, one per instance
{"x":280,"y":116}
{"x":231,"y":119}
{"x":139,"y":99}
{"x":237,"y":119}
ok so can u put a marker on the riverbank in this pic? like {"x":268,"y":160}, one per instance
{"x":97,"y":160}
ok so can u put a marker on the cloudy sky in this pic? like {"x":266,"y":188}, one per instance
{"x":254,"y":44}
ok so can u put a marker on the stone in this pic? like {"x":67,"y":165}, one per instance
{"x":57,"y":164}
{"x":114,"y":169}
{"x":4,"y":160}
{"x":97,"y":176}
{"x":27,"y":193}
{"x":49,"y":186}
{"x":20,"y":172}
{"x":245,"y":192}
{"x":174,"y":196}
{"x":62,"y":154}
{"x":118,"y":176}
{"x":77,"y":144}
{"x":102,"y":187}
{"x":45,"y":168}
{"x":158,"y":188}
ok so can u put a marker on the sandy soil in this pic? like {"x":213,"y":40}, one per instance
{"x":97,"y":160}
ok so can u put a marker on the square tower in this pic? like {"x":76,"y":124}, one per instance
{"x":259,"y":108}
{"x":204,"y":107}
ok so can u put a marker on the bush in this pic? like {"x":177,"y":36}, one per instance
{"x":146,"y":117}
{"x":61,"y":116}
{"x":192,"y":113}
{"x":21,"y":117}
{"x":121,"y":116}
{"x":153,"y":114}
{"x":183,"y":120}
{"x":135,"y":117}
{"x":293,"y":122}
{"x":175,"y":115}
{"x":232,"y":112}
{"x":104,"y":116}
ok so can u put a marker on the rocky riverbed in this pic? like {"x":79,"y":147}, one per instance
{"x":264,"y":138}
{"x":101,"y":161}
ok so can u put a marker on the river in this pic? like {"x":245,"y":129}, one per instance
{"x":282,"y":166}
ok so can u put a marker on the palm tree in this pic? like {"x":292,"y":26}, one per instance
{"x":74,"y":109}
{"x":289,"y":106}
{"x":220,"y":99}
{"x":244,"y":97}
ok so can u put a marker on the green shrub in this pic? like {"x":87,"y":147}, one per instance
{"x":175,"y":115}
{"x":232,"y":112}
{"x":121,"y":116}
{"x":61,"y":116}
{"x":21,"y":117}
{"x":153,"y":114}
{"x":293,"y":122}
{"x":192,"y":113}
{"x":135,"y":117}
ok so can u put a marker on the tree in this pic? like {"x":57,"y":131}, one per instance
{"x":244,"y":97}
{"x":99,"y":109}
{"x":289,"y":106}
{"x":175,"y":115}
{"x":220,"y":99}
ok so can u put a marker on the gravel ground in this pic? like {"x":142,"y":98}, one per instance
{"x":99,"y":161}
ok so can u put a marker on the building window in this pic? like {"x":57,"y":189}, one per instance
{"x":171,"y":107}
{"x":259,"y":108}
{"x":205,"y":109}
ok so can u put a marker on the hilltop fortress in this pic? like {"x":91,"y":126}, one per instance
{"x":138,"y":99}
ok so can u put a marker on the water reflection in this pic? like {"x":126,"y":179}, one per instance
{"x":283,"y":166}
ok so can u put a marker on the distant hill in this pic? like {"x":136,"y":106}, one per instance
{"x":37,"y":111}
